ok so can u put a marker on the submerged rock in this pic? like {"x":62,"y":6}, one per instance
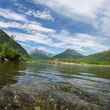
{"x":2,"y":59}
{"x":15,"y":100}
{"x":46,"y":97}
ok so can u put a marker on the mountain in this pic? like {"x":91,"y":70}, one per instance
{"x":98,"y":58}
{"x":6,"y":39}
{"x":40,"y":54}
{"x":69,"y":54}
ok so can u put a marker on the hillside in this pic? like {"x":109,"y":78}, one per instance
{"x":75,"y":57}
{"x":98,"y":58}
{"x":69,"y":54}
{"x":6,"y":39}
{"x":39,"y":54}
{"x":10,"y":50}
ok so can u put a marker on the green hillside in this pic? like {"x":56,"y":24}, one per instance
{"x":75,"y":57}
{"x":9,"y":47}
{"x":4,"y":38}
{"x":69,"y":54}
{"x":98,"y":58}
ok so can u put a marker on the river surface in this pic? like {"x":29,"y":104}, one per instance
{"x":57,"y":87}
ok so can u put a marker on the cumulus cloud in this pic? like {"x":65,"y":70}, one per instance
{"x":33,"y":27}
{"x":104,"y":19}
{"x":93,"y":12}
{"x":9,"y":14}
{"x":74,"y":8}
{"x":45,"y":14}
{"x":37,"y":38}
{"x":79,"y":41}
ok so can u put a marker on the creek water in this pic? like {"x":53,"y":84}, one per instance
{"x":59,"y":87}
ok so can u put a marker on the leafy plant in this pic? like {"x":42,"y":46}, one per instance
{"x":8,"y":52}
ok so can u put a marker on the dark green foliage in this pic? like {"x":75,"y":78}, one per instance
{"x":4,"y":38}
{"x":9,"y":53}
{"x":10,"y":49}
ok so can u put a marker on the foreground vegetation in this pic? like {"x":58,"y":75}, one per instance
{"x":10,"y":50}
{"x":9,"y":54}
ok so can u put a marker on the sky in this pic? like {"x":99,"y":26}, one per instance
{"x":56,"y":25}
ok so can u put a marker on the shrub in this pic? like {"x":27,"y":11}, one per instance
{"x":7,"y":52}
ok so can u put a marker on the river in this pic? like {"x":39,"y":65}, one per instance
{"x":54,"y":87}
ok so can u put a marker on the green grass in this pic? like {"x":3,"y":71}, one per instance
{"x":36,"y":61}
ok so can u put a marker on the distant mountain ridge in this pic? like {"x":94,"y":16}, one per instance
{"x":69,"y":53}
{"x":75,"y":57}
{"x":5,"y":38}
{"x":40,"y":54}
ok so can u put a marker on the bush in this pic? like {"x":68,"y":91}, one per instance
{"x":7,"y":52}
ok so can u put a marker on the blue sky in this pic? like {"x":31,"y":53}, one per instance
{"x":56,"y":25}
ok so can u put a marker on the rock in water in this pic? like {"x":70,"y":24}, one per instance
{"x":19,"y":98}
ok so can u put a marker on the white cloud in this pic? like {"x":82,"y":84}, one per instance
{"x":13,"y":24}
{"x":9,"y":14}
{"x":82,"y":41}
{"x":45,"y":14}
{"x":86,"y":11}
{"x":36,"y":27}
{"x":104,"y":20}
{"x":74,"y":8}
{"x":33,"y":27}
{"x":79,"y":41}
{"x":37,"y":38}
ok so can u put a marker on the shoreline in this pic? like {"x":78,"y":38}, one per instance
{"x":63,"y":63}
{"x":78,"y":64}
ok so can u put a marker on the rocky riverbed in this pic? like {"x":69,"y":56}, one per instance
{"x":44,"y":96}
{"x":50,"y":87}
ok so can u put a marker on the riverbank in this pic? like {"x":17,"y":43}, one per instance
{"x":38,"y":61}
{"x":78,"y":64}
{"x":66,"y":63}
